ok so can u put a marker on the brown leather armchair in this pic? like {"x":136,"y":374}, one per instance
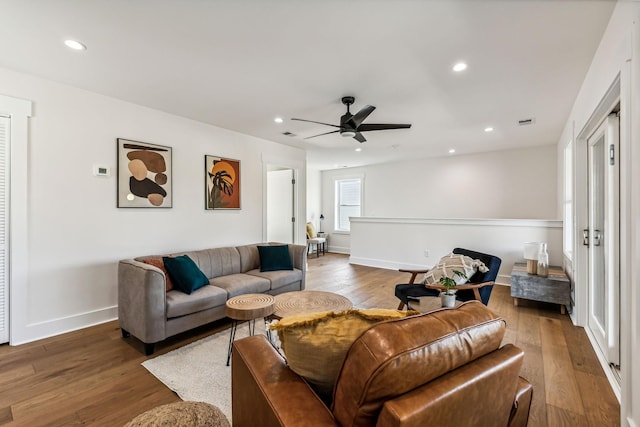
{"x":444,"y":368}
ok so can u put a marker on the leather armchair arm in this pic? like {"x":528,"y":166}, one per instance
{"x":266,"y":393}
{"x":521,"y":404}
{"x":413,"y":273}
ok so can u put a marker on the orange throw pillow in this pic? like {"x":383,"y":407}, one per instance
{"x":157,"y":262}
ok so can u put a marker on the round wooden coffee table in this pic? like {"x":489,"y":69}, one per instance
{"x":247,"y":307}
{"x":300,"y":302}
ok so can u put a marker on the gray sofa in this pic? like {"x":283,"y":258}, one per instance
{"x":150,"y":313}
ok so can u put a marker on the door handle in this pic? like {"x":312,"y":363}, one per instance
{"x":597,"y":235}
{"x":585,"y":237}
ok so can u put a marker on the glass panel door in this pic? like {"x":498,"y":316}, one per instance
{"x":603,"y":239}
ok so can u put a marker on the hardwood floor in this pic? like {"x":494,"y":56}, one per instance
{"x":94,"y":376}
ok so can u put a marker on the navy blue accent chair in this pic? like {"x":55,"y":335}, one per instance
{"x":482,"y":283}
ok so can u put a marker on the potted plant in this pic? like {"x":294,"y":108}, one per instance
{"x":448,"y":297}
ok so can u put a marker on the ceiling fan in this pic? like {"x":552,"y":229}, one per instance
{"x":351,"y":124}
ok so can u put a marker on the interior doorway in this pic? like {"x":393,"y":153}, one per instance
{"x":281,"y":217}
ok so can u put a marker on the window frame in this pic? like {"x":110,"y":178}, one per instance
{"x":336,"y":200}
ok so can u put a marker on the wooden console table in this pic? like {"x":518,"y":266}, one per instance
{"x":556,"y":288}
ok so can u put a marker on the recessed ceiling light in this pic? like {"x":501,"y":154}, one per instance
{"x":278,"y":120}
{"x":358,"y":149}
{"x":488,"y":129}
{"x":460,"y":66}
{"x":75,"y":45}
{"x":453,"y":150}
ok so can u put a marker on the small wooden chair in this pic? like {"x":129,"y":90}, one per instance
{"x":314,"y":239}
{"x":478,"y":287}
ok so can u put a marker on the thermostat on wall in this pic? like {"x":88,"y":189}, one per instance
{"x":101,"y":170}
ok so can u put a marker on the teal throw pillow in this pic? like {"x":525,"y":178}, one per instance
{"x":274,"y":258}
{"x":184,"y":273}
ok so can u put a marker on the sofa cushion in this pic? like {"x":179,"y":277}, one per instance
{"x":449,"y":264}
{"x":216,"y":261}
{"x":158,"y":262}
{"x":180,"y":304}
{"x":184,"y":273}
{"x":425,"y":346}
{"x":249,"y":257}
{"x":238,"y":284}
{"x":315,"y":344}
{"x":274,"y":258}
{"x":280,"y":278}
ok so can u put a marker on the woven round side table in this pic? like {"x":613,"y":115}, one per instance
{"x":247,"y":307}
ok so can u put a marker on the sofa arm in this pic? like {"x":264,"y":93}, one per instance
{"x":267,"y":393}
{"x":521,"y":404}
{"x":142,"y":300}
{"x":299,"y":258}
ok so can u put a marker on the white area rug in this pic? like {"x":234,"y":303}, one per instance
{"x":199,"y":371}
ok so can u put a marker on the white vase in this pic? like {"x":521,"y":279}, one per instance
{"x":448,"y":300}
{"x":543,"y":261}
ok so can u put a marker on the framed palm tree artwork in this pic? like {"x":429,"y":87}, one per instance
{"x":222,"y":183}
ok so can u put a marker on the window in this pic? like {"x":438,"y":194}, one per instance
{"x":568,"y":200}
{"x":348,"y":202}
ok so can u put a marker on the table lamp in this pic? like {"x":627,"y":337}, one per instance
{"x":531,"y":250}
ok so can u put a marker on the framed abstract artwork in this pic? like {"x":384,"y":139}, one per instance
{"x":222,"y":183}
{"x":144,"y":175}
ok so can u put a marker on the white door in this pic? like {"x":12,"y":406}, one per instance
{"x":4,"y":243}
{"x":280,"y":205}
{"x":602,"y":238}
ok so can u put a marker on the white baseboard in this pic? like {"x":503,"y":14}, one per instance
{"x":50,"y":328}
{"x":503,"y":279}
{"x":339,"y":250}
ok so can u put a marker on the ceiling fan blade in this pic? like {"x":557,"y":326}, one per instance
{"x":359,"y":137}
{"x":320,"y":134}
{"x":382,"y":126}
{"x":313,"y":121}
{"x":359,"y":117}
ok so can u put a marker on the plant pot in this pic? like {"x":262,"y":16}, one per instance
{"x":448,"y":300}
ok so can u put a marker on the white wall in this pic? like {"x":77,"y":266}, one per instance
{"x":516,"y":184}
{"x":617,"y":56}
{"x":76,"y":235}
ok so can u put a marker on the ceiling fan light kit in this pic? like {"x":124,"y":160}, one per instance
{"x":351,"y":125}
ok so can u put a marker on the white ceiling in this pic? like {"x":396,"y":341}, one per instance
{"x":238,"y":64}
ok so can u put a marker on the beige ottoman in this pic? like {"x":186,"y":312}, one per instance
{"x":181,"y":414}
